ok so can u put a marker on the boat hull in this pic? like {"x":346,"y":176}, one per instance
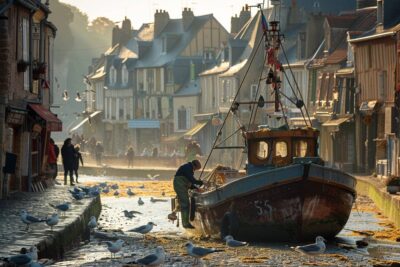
{"x":293,"y":203}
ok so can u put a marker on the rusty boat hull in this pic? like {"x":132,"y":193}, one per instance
{"x":293,"y":203}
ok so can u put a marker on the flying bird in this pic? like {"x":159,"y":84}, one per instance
{"x":312,"y":249}
{"x":199,"y":252}
{"x":53,"y":220}
{"x":65,"y":95}
{"x":154,"y":259}
{"x":78,"y":97}
{"x":152,"y":177}
{"x":114,"y":247}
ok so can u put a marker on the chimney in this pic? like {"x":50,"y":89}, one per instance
{"x":187,"y":18}
{"x":365,"y":3}
{"x":126,"y":31}
{"x":235,"y":24}
{"x":161,"y":18}
{"x":116,"y":34}
{"x":244,"y":16}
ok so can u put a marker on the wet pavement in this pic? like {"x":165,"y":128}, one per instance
{"x":365,"y":223}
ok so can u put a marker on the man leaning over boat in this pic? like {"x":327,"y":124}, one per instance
{"x":183,"y":181}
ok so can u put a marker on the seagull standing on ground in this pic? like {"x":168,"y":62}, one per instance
{"x":116,"y":193}
{"x":140,"y":201}
{"x":231,"y":242}
{"x":199,"y":252}
{"x":106,"y":190}
{"x":24,"y":259}
{"x":154,"y":200}
{"x":114,"y":247}
{"x":62,"y":207}
{"x":313,"y":249}
{"x":144,"y":229}
{"x":155,"y":259}
{"x":129,"y":192}
{"x":53,"y":220}
{"x":115,"y":186}
{"x":28,"y":219}
{"x":92,"y":223}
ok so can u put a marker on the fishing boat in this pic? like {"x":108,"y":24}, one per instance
{"x":286,"y":193}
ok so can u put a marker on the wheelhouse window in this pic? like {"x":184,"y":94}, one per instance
{"x":262,"y":150}
{"x":281,"y":149}
{"x":300,"y":148}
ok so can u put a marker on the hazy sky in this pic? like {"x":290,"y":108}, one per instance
{"x":142,"y":11}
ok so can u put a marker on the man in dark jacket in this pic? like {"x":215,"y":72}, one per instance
{"x":183,"y":181}
{"x":67,"y":153}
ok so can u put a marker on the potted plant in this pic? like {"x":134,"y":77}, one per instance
{"x":393,"y":184}
{"x":22,"y":65}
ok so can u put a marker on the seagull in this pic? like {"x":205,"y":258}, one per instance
{"x":141,"y":186}
{"x":313,"y":249}
{"x":155,"y":259}
{"x":105,"y":88}
{"x":53,"y":220}
{"x":116,"y":193}
{"x":103,"y":185}
{"x":144,"y":229}
{"x":163,"y":193}
{"x":78,"y":196}
{"x":23,"y":259}
{"x":154,"y":200}
{"x":115,"y":186}
{"x":152,"y":177}
{"x":92,"y":223}
{"x":129,"y":192}
{"x":28,"y":219}
{"x":140,"y":201}
{"x":106,"y":190}
{"x":199,"y":252}
{"x":114,"y":247}
{"x":65,"y":95}
{"x":62,"y":207}
{"x":231,"y":242}
{"x":78,"y":97}
{"x":129,"y":214}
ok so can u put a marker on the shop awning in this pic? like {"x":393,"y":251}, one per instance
{"x":194,"y":130}
{"x":84,"y":121}
{"x":52,"y":122}
{"x":172,"y":138}
{"x":368,"y":107}
{"x":144,"y":124}
{"x":335,"y":123}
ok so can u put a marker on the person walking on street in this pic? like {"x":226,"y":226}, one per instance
{"x":129,"y":155}
{"x":183,"y":181}
{"x":77,"y":158}
{"x":52,"y":159}
{"x":99,"y":153}
{"x":67,"y":153}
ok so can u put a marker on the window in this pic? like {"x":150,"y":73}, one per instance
{"x":25,"y":51}
{"x":281,"y":149}
{"x":253,"y":92}
{"x":170,"y":75}
{"x":113,"y":75}
{"x":125,"y":75}
{"x":262,"y":150}
{"x":150,"y":80}
{"x":301,"y":148}
{"x":182,"y":118}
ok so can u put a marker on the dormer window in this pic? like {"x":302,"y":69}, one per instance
{"x":113,"y":75}
{"x":124,"y":75}
{"x":164,"y":45}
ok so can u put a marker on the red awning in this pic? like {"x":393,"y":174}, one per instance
{"x":53,"y":124}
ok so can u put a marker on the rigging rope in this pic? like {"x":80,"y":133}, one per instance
{"x":233,"y":102}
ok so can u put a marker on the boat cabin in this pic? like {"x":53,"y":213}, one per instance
{"x":272,"y":148}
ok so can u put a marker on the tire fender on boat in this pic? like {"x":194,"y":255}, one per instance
{"x":229,"y":225}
